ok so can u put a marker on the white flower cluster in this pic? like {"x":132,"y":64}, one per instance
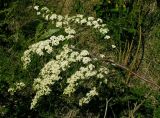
{"x":102,"y":71}
{"x":81,"y":74}
{"x":40,"y":47}
{"x":87,"y":98}
{"x":84,"y":73}
{"x":65,"y":21}
{"x":51,"y":71}
{"x":61,"y":22}
{"x":49,"y":74}
{"x":17,"y":86}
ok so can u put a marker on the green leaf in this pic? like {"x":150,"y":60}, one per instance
{"x":39,"y":28}
{"x":48,"y":33}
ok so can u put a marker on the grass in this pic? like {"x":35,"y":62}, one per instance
{"x":151,"y":62}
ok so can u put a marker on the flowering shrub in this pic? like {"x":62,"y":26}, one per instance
{"x":22,"y":28}
{"x":68,"y":55}
{"x":17,"y":86}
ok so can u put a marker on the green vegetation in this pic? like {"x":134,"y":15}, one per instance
{"x":132,"y":89}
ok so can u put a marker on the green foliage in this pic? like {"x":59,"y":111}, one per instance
{"x":48,"y":33}
{"x":124,"y":19}
{"x":157,"y":113}
{"x":121,"y":16}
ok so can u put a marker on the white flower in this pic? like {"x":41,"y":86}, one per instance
{"x":113,"y":46}
{"x":102,"y":55}
{"x":95,"y":23}
{"x":84,"y":53}
{"x":38,"y":13}
{"x":69,"y":37}
{"x":73,"y":55}
{"x":65,"y":22}
{"x":89,"y":23}
{"x":53,"y":37}
{"x":77,"y":20}
{"x":49,"y":50}
{"x":107,"y":37}
{"x":103,"y":25}
{"x":79,"y":16}
{"x":60,"y":18}
{"x":55,"y":42}
{"x":64,"y":64}
{"x":53,"y":16}
{"x":36,"y":7}
{"x":86,"y":60}
{"x":91,"y":66}
{"x":96,"y":26}
{"x":83,"y":21}
{"x":70,"y":31}
{"x":103,"y":30}
{"x":39,"y":52}
{"x":47,"y":17}
{"x":104,"y":70}
{"x":90,"y":18}
{"x":100,"y":75}
{"x":95,"y":59}
{"x":90,"y":73}
{"x":100,"y":20}
{"x":61,"y":38}
{"x":17,"y":86}
{"x":45,"y":9}
{"x":88,"y":96}
{"x":59,"y":24}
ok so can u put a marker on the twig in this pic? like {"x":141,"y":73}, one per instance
{"x":107,"y":102}
{"x":133,"y":73}
{"x":132,"y":112}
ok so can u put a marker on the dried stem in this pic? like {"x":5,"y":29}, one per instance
{"x":107,"y":102}
{"x":132,"y":73}
{"x":122,"y":67}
